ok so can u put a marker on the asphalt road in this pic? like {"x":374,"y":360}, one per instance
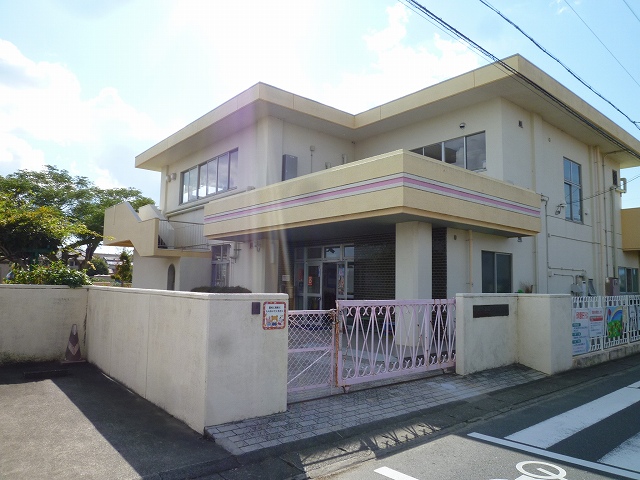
{"x":591,"y":431}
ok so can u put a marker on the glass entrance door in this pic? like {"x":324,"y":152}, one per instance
{"x":314,"y":286}
{"x":329,"y":285}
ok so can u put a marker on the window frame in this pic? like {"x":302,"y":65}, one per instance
{"x":220,"y":264}
{"x":196,"y":181}
{"x":495,"y":280}
{"x":630,"y":276}
{"x":442,"y":156}
{"x":573,"y":209}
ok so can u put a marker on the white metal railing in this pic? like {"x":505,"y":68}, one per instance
{"x":181,"y":235}
{"x":600,"y":323}
{"x":390,"y":338}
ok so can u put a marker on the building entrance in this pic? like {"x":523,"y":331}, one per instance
{"x":323,"y":275}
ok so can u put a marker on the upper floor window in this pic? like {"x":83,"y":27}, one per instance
{"x":213,"y":176}
{"x":468,"y":152}
{"x":572,"y":191}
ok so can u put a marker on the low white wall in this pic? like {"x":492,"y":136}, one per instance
{"x":536,"y":333}
{"x":487,"y":342}
{"x":204,"y":358}
{"x":36,"y":321}
{"x":544,"y":332}
{"x":246,"y":365}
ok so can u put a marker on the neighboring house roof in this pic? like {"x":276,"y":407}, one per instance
{"x":540,"y":94}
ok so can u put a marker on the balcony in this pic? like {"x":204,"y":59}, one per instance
{"x":151,"y":235}
{"x":374,"y":194}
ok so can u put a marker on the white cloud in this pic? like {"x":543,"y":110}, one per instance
{"x":400,"y":68}
{"x":42,"y":110}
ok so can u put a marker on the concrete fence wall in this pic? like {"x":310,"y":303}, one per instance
{"x":36,"y":320}
{"x":536,"y":332}
{"x":204,"y":358}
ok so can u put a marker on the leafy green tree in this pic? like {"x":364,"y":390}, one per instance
{"x":77,"y":199}
{"x":124,"y":269}
{"x":97,"y":266}
{"x":26,"y":232}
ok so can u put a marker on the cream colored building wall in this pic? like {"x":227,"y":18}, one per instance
{"x":36,"y":321}
{"x":327,"y":149}
{"x":192,"y":272}
{"x":251,"y":168}
{"x":477,"y":118}
{"x":413,"y":260}
{"x":151,"y":272}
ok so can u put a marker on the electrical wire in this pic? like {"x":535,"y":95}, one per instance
{"x":537,"y":44}
{"x":601,"y":42}
{"x":454,"y":33}
{"x":533,"y":86}
{"x":631,"y":9}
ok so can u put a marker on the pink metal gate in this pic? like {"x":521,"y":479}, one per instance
{"x":391,"y":338}
{"x":365,"y":341}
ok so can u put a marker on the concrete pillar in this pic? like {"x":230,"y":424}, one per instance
{"x":413,"y":260}
{"x":413,"y":274}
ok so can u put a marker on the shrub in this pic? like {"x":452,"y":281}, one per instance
{"x":98,"y":266}
{"x":236,"y":289}
{"x":57,"y":273}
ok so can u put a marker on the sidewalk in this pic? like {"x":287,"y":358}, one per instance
{"x":85,"y":425}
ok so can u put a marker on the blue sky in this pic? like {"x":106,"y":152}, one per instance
{"x":88,"y":85}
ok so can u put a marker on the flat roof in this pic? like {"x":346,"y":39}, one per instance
{"x":515,"y":79}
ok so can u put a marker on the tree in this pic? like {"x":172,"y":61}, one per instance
{"x":27,"y":232}
{"x":98,"y":266}
{"x":124,"y":270}
{"x":76,"y":199}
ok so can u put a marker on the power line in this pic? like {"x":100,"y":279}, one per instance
{"x":634,"y":122}
{"x":631,"y":9}
{"x":533,"y":86}
{"x":601,"y":42}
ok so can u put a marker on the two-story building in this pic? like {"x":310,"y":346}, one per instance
{"x":498,"y":180}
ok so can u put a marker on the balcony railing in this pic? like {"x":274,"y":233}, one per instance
{"x":181,"y":236}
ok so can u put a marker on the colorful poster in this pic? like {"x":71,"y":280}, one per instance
{"x":615,"y":316}
{"x":274,"y":315}
{"x":580,"y":335}
{"x":596,"y":322}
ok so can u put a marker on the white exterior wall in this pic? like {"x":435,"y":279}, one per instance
{"x":536,"y":333}
{"x":36,"y":321}
{"x":151,"y":272}
{"x":192,"y":272}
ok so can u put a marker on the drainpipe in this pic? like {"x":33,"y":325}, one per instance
{"x":470,"y":261}
{"x":546,"y":239}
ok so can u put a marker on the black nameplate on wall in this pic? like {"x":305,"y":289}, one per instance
{"x":498,"y":310}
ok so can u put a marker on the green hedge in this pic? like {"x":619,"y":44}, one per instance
{"x":236,"y":289}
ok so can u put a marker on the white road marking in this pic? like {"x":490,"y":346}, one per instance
{"x":625,"y":455}
{"x":555,"y":429}
{"x":393,"y":474}
{"x":556,"y":456}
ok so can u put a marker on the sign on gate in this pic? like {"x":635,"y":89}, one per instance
{"x":580,"y":338}
{"x":274,"y":315}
